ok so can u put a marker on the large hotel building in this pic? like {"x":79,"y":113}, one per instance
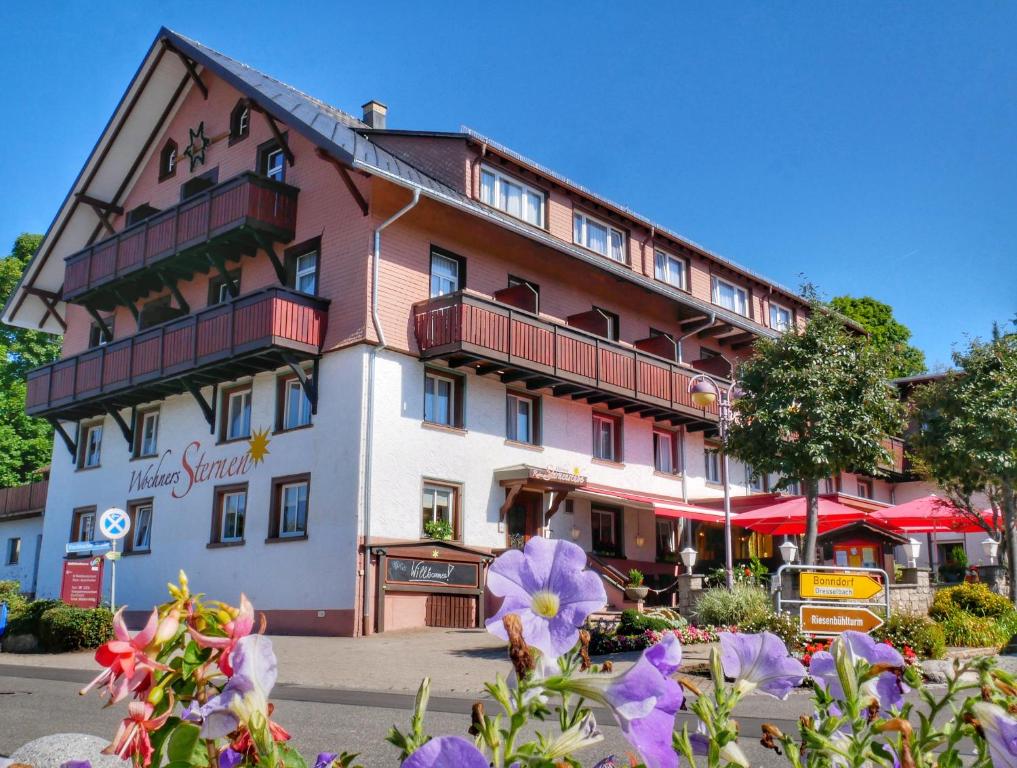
{"x":338,"y":366}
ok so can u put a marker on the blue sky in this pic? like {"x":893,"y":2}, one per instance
{"x":870,"y":146}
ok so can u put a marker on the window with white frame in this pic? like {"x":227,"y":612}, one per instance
{"x":669,"y":269}
{"x":13,"y":550}
{"x":438,"y":504}
{"x":511,"y":196}
{"x":141,"y":528}
{"x":293,"y":509}
{"x":232,"y":515}
{"x":84,"y":525}
{"x":604,"y":524}
{"x":91,"y":451}
{"x":440,"y":399}
{"x":148,"y":433}
{"x":829,"y":486}
{"x":712,"y":465}
{"x":781,"y":318}
{"x":296,"y":404}
{"x":665,"y":451}
{"x":864,"y":488}
{"x":275,"y":164}
{"x":754,"y":480}
{"x":598,"y":237}
{"x":238,"y":414}
{"x":605,"y":438}
{"x":730,"y":296}
{"x":445,"y":274}
{"x":521,"y":416}
{"x":305,"y":272}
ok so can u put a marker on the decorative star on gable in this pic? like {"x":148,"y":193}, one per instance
{"x":196,"y":145}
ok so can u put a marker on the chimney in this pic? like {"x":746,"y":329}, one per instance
{"x":374,"y":114}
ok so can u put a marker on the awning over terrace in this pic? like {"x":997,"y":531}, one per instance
{"x":663,"y":506}
{"x":931,"y":514}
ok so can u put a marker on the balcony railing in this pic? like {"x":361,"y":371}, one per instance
{"x":220,"y":215}
{"x":474,"y":326}
{"x":23,"y":500}
{"x":251,"y":331}
{"x":898,"y":462}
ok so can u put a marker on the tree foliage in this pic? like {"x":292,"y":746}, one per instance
{"x":967,"y":437}
{"x":25,"y":443}
{"x":885,"y":332}
{"x":814,"y":404}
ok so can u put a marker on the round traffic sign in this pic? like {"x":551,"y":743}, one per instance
{"x":114,"y":523}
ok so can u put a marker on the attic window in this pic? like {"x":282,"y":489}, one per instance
{"x":168,"y":160}
{"x":240,"y":121}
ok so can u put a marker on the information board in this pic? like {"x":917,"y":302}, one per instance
{"x":82,"y":582}
{"x":440,"y":572}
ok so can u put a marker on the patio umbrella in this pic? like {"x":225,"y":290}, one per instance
{"x":787,"y":518}
{"x":931,"y":514}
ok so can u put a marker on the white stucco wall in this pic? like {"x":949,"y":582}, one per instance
{"x":28,"y":529}
{"x":317,"y":573}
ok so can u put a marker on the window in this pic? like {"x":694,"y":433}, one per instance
{"x":794,"y":488}
{"x":222,"y":288}
{"x":443,"y":399}
{"x":168,"y":160}
{"x":447,"y":273}
{"x":289,"y":507}
{"x":296,"y":405}
{"x":606,"y":534}
{"x":83,"y":524}
{"x":272,"y":161}
{"x":439,"y":503}
{"x":306,"y":272}
{"x":147,"y":435}
{"x":158,"y":311}
{"x":91,"y":446}
{"x":522,"y":418}
{"x":139,"y":539}
{"x":139,"y":213}
{"x":730,"y":297}
{"x":612,"y":324}
{"x":606,"y":438}
{"x":13,"y":550}
{"x":238,"y":414}
{"x":198,"y":184}
{"x":97,"y":337}
{"x":781,"y":318}
{"x":755,"y":481}
{"x":829,"y":485}
{"x":667,"y":538}
{"x":230,"y":514}
{"x":514,"y":281}
{"x":712,"y":465}
{"x":598,"y":237}
{"x":240,"y":121}
{"x":669,"y":269}
{"x":665,"y":452}
{"x":864,"y":489}
{"x":512,"y":196}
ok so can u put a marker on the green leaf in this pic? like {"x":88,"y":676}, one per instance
{"x":184,"y":742}
{"x":291,"y":758}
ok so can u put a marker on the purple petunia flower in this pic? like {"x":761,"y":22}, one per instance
{"x":447,"y":752}
{"x":643,"y":700}
{"x":76,"y":764}
{"x":1000,"y":732}
{"x":760,"y":661}
{"x":325,"y":759}
{"x":699,"y":740}
{"x":246,"y":692}
{"x":886,"y":688}
{"x":230,"y":758}
{"x":547,"y":586}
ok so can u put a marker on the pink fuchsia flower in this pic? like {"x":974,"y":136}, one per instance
{"x":547,"y":587}
{"x":886,"y":688}
{"x":132,"y":737}
{"x":1000,"y":731}
{"x":760,"y":661}
{"x":447,"y":752}
{"x":235,"y":629}
{"x":129,"y":665}
{"x":644,"y":701}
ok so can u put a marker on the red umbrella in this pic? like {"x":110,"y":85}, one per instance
{"x":787,"y":518}
{"x":930,"y":514}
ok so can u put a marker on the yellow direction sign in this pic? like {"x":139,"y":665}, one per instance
{"x":838,"y":586}
{"x":833,"y":619}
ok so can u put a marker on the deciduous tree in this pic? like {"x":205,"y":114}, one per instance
{"x":885,"y":332}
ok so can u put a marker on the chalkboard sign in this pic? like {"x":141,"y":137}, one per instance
{"x":440,"y":572}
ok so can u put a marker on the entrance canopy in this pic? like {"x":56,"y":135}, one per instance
{"x":931,"y":514}
{"x":663,"y":506}
{"x":787,"y":518}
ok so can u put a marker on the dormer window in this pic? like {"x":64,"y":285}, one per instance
{"x":730,"y":296}
{"x":781,"y":318}
{"x":168,"y":160}
{"x":669,"y":269}
{"x":598,"y":237}
{"x":240,"y":121}
{"x":511,"y":196}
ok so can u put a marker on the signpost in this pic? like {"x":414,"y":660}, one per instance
{"x":829,"y":620}
{"x":832,"y":599}
{"x":838,"y":586}
{"x":114,"y":524}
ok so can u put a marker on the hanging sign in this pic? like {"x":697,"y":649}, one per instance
{"x":832,"y":619}
{"x":838,"y":586}
{"x":435,"y":572}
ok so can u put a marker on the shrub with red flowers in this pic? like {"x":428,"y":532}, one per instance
{"x":814,"y":647}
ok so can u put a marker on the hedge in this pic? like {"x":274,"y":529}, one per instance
{"x":66,"y":628}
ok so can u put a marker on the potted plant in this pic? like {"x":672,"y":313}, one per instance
{"x":440,"y":530}
{"x":635,"y":589}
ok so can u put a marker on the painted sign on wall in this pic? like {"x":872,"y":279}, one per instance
{"x":82,"y":582}
{"x":438,"y":572}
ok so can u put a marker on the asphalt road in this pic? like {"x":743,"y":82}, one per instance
{"x":37,"y":702}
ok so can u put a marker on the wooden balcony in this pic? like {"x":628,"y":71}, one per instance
{"x":495,"y":338}
{"x":897,"y":467}
{"x":223,"y":222}
{"x":26,"y":500}
{"x":257,"y":332}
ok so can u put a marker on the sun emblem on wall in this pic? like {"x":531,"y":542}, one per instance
{"x":196,"y":145}
{"x":257,"y":446}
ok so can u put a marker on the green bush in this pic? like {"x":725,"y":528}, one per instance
{"x":924,"y":636}
{"x":10,"y":593}
{"x":674,"y":619}
{"x":970,"y":631}
{"x":26,"y":620}
{"x":634,"y":623}
{"x":972,"y":598}
{"x":66,"y":628}
{"x":741,"y":605}
{"x":783,"y":625}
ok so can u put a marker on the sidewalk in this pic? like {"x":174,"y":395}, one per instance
{"x":458,"y":661}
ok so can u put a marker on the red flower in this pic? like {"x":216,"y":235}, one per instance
{"x":129,"y":666}
{"x":132,"y":739}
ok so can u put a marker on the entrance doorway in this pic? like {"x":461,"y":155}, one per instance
{"x":523,"y":520}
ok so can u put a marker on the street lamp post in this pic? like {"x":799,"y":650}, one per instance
{"x":705,"y":391}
